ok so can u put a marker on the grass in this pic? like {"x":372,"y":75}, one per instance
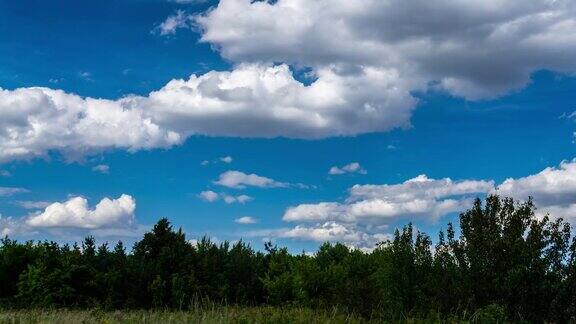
{"x":215,"y":315}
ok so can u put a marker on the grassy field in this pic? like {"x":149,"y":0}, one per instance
{"x":216,"y":315}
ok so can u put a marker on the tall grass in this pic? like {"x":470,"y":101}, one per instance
{"x":210,"y":316}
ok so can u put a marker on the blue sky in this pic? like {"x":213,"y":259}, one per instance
{"x":475,"y":116}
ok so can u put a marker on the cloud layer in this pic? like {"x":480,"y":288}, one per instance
{"x":366,"y":59}
{"x":371,"y":209}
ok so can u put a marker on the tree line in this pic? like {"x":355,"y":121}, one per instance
{"x":504,"y":263}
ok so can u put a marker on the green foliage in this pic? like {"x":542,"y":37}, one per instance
{"x":506,"y":265}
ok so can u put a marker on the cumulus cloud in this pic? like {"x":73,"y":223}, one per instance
{"x":211,"y":196}
{"x":75,"y":213}
{"x":364,"y":218}
{"x":10,"y":191}
{"x":241,"y":180}
{"x":470,"y":49}
{"x":367,"y":59}
{"x":36,"y":121}
{"x":349,"y":234}
{"x":353,"y":167}
{"x":260,"y":100}
{"x":246,"y":220}
{"x":553,"y":190}
{"x":253,"y":100}
{"x":102,"y":168}
{"x":381,"y":204}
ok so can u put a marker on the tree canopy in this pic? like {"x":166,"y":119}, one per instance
{"x":504,"y":263}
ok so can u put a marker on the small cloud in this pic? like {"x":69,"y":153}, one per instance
{"x":241,"y":199}
{"x":10,"y":191}
{"x":173,"y":23}
{"x":246,"y":220}
{"x":55,"y":80}
{"x":240,"y":180}
{"x":391,"y":147}
{"x":102,"y":168}
{"x":27,"y":204}
{"x":226,"y":159}
{"x":5,"y":174}
{"x":353,"y":167}
{"x":209,"y":196}
{"x":85,"y":75}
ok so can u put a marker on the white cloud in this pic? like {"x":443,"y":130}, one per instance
{"x":353,"y":167}
{"x":251,"y":101}
{"x":29,"y":204}
{"x":349,"y":234}
{"x":211,"y":196}
{"x":10,"y":191}
{"x":169,"y":26}
{"x":470,"y":49}
{"x":85,"y":75}
{"x":205,"y":162}
{"x":367,"y":59}
{"x":240,"y":180}
{"x":256,"y":100}
{"x":102,"y":168}
{"x":369,"y":210}
{"x":226,"y":159}
{"x":241,"y":199}
{"x":551,"y":186}
{"x":246,"y":220}
{"x":380,"y":204}
{"x":553,"y":190}
{"x":36,"y":121}
{"x":75,"y":213}
{"x":9,"y":226}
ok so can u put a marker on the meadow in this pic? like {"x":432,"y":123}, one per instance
{"x":221,"y":315}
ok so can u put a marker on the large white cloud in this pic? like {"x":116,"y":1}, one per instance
{"x":75,"y":213}
{"x":251,"y":101}
{"x":475,"y":49}
{"x":36,"y":121}
{"x":367,"y":58}
{"x":256,"y":100}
